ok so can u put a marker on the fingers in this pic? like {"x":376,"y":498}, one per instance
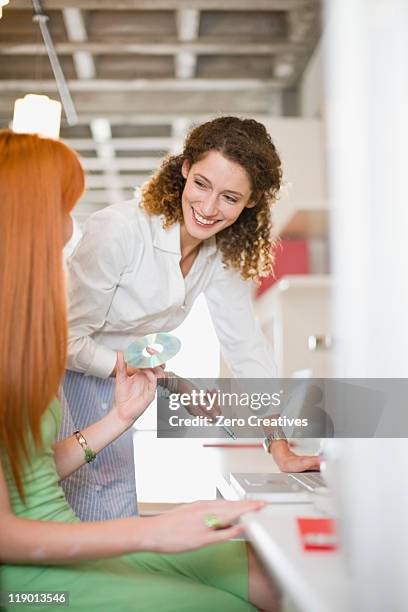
{"x":159,"y":373}
{"x":301,"y":464}
{"x":313,"y":463}
{"x":120,"y":365}
{"x":151,"y":376}
{"x":228,"y":512}
{"x":222,"y":535}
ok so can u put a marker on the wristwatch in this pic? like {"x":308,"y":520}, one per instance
{"x":277,"y":434}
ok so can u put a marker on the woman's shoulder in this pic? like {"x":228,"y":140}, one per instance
{"x":129,"y":215}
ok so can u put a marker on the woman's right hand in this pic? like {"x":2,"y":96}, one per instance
{"x":185,"y":529}
{"x":133,"y":392}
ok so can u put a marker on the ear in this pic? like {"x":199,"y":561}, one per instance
{"x":254,"y":199}
{"x":185,"y":168}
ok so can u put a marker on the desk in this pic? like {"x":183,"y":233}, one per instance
{"x":316,"y":581}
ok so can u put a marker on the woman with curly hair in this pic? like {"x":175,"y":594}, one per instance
{"x":201,"y":225}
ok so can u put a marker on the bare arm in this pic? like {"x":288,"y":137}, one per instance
{"x":52,"y":543}
{"x":42,"y":542}
{"x":133,"y":394}
{"x":69,"y":455}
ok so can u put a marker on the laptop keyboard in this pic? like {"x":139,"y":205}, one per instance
{"x":310,"y":481}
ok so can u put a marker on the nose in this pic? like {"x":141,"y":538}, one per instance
{"x":209,"y":206}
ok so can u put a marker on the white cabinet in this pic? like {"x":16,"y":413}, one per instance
{"x":295,"y":317}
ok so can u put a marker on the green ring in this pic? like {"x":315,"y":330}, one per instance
{"x":213,"y":522}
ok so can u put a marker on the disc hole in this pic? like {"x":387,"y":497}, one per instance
{"x":158,"y":348}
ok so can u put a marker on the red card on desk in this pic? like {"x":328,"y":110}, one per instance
{"x":318,"y":533}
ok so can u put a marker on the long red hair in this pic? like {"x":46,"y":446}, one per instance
{"x":40,"y":181}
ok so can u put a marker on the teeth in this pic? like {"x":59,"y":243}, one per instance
{"x":202,"y":220}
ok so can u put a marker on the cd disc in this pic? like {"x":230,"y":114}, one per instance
{"x":165,"y":345}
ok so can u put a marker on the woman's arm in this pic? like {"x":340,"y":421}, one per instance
{"x":51,"y":543}
{"x":94,"y":271}
{"x":245,"y":349}
{"x":41,"y":542}
{"x":69,"y":455}
{"x":133,"y":394}
{"x":243,"y":345}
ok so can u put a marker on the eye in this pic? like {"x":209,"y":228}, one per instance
{"x":231,"y":199}
{"x":200,"y":184}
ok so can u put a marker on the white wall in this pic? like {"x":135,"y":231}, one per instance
{"x":368,"y":128}
{"x":300,"y":143}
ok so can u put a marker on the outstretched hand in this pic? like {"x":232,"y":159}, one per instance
{"x":133,"y":392}
{"x":185,"y":528}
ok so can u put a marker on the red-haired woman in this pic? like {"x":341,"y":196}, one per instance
{"x":201,"y":225}
{"x":118,"y":564}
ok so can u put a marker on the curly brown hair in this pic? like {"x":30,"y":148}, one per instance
{"x":246,"y":245}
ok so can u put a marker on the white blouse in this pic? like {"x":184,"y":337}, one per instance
{"x":125,"y":281}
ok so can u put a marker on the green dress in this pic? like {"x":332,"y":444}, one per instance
{"x":214,"y":578}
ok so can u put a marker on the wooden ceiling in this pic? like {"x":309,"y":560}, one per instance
{"x":141,"y":72}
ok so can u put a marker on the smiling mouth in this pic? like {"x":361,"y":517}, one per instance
{"x":202,"y":220}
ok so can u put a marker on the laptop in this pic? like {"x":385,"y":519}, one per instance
{"x":278,"y":488}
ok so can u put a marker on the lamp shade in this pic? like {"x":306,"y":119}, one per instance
{"x":35,"y":114}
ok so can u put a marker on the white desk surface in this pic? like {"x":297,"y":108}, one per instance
{"x":316,"y":581}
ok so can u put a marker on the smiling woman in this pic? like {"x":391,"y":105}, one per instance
{"x":201,"y":225}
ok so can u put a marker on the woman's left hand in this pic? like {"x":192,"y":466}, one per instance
{"x":134,"y":393}
{"x":290,"y":462}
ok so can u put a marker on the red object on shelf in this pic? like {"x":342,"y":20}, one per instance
{"x":291,"y":257}
{"x":318,"y":533}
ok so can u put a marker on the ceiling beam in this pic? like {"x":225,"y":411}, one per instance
{"x":127,"y":104}
{"x":164,"y":117}
{"x":126,"y":181}
{"x":102,"y":136}
{"x":126,"y":110}
{"x":75,"y":26}
{"x":168,"y":117}
{"x":199,"y":47}
{"x":147,"y":85}
{"x":144,"y":164}
{"x":104,"y":197}
{"x":125,"y":144}
{"x":171,"y":5}
{"x":188,"y":24}
{"x":100,"y":127}
{"x":179,"y":129}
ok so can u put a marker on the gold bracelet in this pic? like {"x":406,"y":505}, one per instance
{"x":90,"y":455}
